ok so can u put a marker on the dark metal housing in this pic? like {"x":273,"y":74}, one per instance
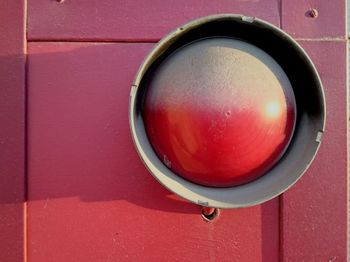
{"x":310,"y":101}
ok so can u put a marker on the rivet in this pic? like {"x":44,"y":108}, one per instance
{"x":313,"y":13}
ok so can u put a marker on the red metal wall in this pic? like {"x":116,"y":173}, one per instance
{"x":89,"y":198}
{"x":12,"y":131}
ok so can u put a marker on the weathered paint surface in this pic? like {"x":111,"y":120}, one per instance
{"x":202,"y":97}
{"x":90,"y":197}
{"x":12,"y":130}
{"x":328,"y":23}
{"x":314,"y":211}
{"x":131,"y":20}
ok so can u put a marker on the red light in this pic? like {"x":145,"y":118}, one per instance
{"x":219,"y":112}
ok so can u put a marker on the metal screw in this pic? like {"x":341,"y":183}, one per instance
{"x":313,"y":13}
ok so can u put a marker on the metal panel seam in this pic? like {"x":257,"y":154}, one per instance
{"x":25,"y":204}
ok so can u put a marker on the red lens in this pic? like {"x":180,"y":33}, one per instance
{"x":219,"y":112}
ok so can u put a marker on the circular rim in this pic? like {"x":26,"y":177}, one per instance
{"x":268,"y":186}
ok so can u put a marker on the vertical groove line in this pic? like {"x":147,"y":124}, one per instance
{"x":25,"y":131}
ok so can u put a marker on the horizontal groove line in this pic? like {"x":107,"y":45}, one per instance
{"x":141,"y":41}
{"x":338,"y":39}
{"x":152,"y":40}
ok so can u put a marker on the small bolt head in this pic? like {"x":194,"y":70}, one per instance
{"x":313,"y":13}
